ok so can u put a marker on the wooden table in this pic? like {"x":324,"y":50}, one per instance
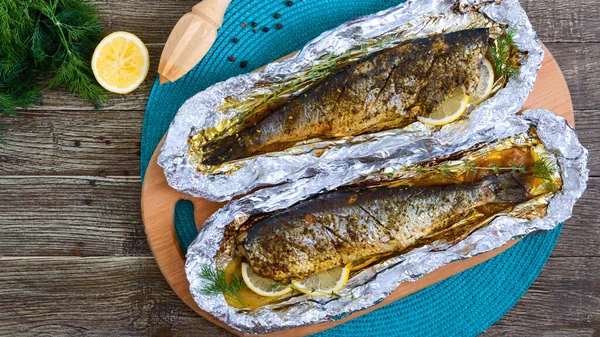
{"x":74,"y":260}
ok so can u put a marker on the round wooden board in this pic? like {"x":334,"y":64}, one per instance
{"x":159,"y":199}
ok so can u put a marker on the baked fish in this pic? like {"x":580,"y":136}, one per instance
{"x":337,"y":228}
{"x":386,"y":90}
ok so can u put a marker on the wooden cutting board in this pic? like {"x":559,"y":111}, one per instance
{"x":159,"y":199}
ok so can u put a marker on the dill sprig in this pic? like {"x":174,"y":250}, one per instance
{"x":45,"y":44}
{"x":504,"y":54}
{"x":544,"y":169}
{"x":447,"y":169}
{"x":217,"y":283}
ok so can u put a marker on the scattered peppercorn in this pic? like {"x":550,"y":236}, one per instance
{"x":243,"y":64}
{"x":254,"y":24}
{"x":254,"y":31}
{"x":138,"y":144}
{"x":231,"y":58}
{"x":277,"y":15}
{"x":138,"y":153}
{"x":279,"y":26}
{"x":77,"y":143}
{"x":107,"y":142}
{"x":126,"y":173}
{"x":87,"y":202}
{"x":244,"y":25}
{"x":235,"y":40}
{"x":265,"y":29}
{"x":100,"y":138}
{"x":102,"y":174}
{"x":92,"y":183}
{"x":289,"y":3}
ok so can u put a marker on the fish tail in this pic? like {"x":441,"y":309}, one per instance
{"x":224,"y":150}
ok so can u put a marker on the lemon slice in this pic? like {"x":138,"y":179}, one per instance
{"x":261,"y":285}
{"x":450,"y":110}
{"x":325,"y":282}
{"x":485,"y":85}
{"x":361,"y":263}
{"x":120,"y":62}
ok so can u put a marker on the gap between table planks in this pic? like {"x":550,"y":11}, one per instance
{"x":158,"y":206}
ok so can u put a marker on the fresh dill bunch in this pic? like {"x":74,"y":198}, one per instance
{"x":45,"y":44}
{"x":217,"y":283}
{"x":504,"y":55}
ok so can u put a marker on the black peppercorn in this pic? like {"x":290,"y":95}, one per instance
{"x":279,"y":26}
{"x":265,"y":29}
{"x":235,"y":40}
{"x":277,"y":15}
{"x":243,"y":64}
{"x":253,"y":24}
{"x":231,"y":58}
{"x":289,"y":3}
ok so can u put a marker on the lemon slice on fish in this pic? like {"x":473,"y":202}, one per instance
{"x":326,"y":282}
{"x":485,"y":85}
{"x":262,"y":285}
{"x":450,"y":110}
{"x":362,"y":263}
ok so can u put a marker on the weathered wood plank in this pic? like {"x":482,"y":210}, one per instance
{"x":92,"y":297}
{"x":564,"y":21}
{"x":578,"y":63}
{"x":128,"y":296}
{"x":554,"y":20}
{"x":67,"y":142}
{"x":94,"y":216}
{"x":581,"y":234}
{"x":587,"y":125}
{"x":72,"y":143}
{"x":563,"y":301}
{"x":71,"y":216}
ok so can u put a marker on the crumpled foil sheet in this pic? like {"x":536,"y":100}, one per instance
{"x":375,"y":283}
{"x":413,"y":19}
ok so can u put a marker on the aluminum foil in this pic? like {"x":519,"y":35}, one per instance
{"x":375,"y":283}
{"x":413,"y":19}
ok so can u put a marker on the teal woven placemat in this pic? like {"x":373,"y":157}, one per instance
{"x":463,"y":305}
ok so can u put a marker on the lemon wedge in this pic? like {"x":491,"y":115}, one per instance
{"x":326,"y":282}
{"x":485,"y":85}
{"x":450,"y":110}
{"x":362,"y":263}
{"x":120,"y":62}
{"x":261,"y":285}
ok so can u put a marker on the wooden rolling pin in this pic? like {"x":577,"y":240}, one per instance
{"x":191,"y":38}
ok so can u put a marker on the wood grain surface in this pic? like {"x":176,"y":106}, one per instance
{"x":74,"y":260}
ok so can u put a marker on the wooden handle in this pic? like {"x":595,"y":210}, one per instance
{"x":191,"y":38}
{"x":213,"y":10}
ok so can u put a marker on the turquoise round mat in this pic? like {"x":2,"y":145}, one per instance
{"x":463,"y":305}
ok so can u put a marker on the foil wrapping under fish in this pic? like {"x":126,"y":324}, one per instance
{"x":208,"y":111}
{"x":375,"y":283}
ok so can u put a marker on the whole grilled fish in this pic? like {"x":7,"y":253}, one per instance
{"x":386,"y":90}
{"x":337,"y":228}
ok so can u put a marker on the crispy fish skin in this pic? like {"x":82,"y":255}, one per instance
{"x":337,"y":228}
{"x":388,"y":89}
